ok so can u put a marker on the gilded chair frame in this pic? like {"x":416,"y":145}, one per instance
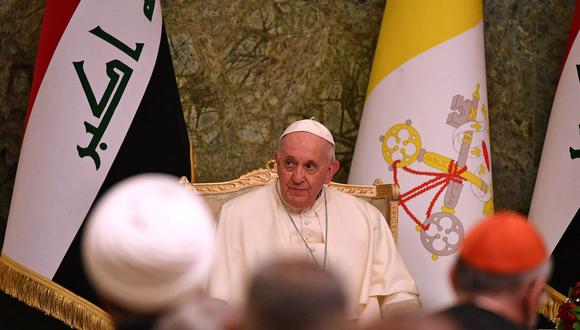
{"x":384,"y":196}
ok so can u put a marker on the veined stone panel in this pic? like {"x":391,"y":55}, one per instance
{"x":248,"y":69}
{"x":19,"y":33}
{"x":525,"y":42}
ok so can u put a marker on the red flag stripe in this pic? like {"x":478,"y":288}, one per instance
{"x":57,"y":14}
{"x":574,"y":28}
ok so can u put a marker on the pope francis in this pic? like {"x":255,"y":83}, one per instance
{"x":299,"y":217}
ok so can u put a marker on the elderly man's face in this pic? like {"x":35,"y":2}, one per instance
{"x":304,"y":166}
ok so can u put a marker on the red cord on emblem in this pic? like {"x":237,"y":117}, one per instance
{"x":439,"y":179}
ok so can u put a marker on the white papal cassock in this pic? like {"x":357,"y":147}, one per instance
{"x":255,"y":228}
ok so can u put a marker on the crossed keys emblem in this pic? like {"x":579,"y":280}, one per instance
{"x":442,"y":232}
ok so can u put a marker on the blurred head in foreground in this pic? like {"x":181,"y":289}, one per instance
{"x":148,"y":244}
{"x":502,"y":266}
{"x":294,"y":295}
{"x":417,"y":321}
{"x":198,"y":314}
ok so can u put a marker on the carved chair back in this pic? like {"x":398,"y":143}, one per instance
{"x":385,"y":197}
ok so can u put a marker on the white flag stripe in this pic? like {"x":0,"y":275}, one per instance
{"x":556,"y":196}
{"x":50,"y":201}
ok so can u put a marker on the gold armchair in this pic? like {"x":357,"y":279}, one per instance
{"x":385,"y":197}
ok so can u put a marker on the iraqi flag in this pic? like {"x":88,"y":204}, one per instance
{"x":555,"y":208}
{"x":425,"y":127}
{"x":104,"y":106}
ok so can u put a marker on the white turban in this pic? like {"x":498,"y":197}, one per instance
{"x":148,"y":243}
{"x":310,"y":126}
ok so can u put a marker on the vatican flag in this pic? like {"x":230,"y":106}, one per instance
{"x":425,"y":127}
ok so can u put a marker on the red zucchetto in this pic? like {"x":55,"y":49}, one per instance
{"x":504,"y":244}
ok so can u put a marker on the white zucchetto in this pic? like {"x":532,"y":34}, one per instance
{"x":148,"y":243}
{"x":310,"y":126}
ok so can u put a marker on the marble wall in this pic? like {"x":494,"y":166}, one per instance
{"x":247,"y":68}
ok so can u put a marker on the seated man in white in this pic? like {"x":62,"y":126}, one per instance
{"x":299,"y":217}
